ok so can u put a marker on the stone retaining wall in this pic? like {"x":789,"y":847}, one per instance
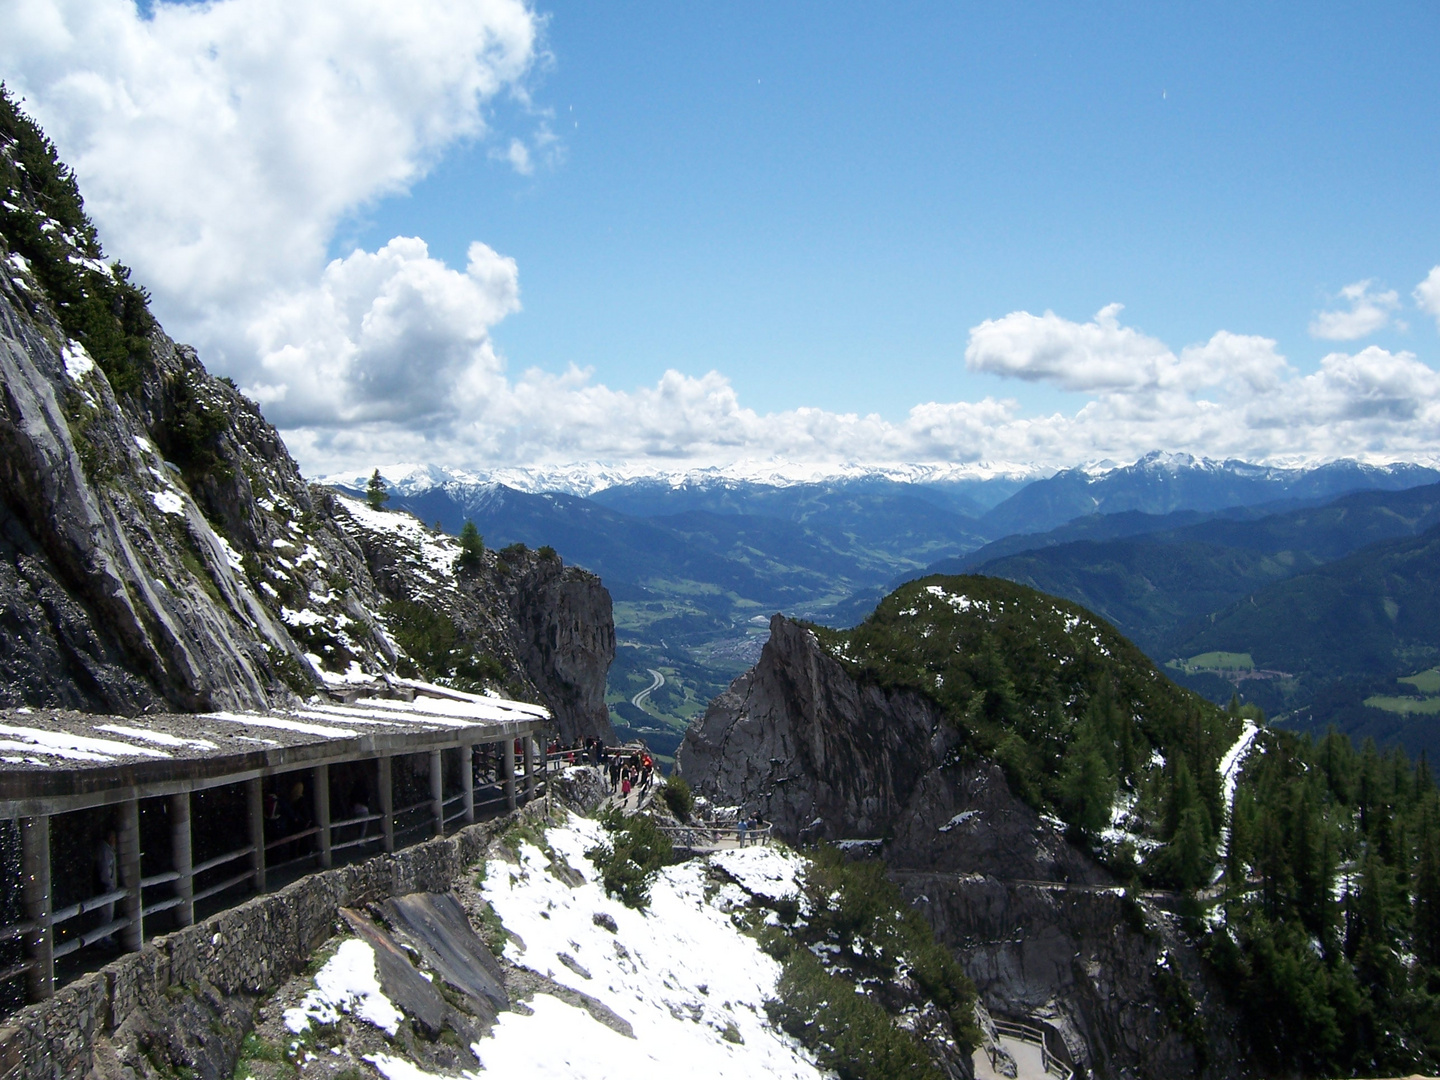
{"x":250,"y":950}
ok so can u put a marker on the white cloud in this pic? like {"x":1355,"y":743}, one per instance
{"x":392,"y":336}
{"x":1368,"y":313}
{"x":518,"y":156}
{"x":390,"y":359}
{"x":1098,"y":355}
{"x":1427,"y":294}
{"x":1103,"y":356}
{"x":218,"y":145}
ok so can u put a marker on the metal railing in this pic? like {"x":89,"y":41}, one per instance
{"x":1036,"y":1036}
{"x":696,"y":836}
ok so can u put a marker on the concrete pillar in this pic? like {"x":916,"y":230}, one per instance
{"x":320,"y":788}
{"x":529,"y":767}
{"x":182,"y":858}
{"x":510,"y":773}
{"x":437,"y":790}
{"x":40,"y":942}
{"x":255,"y":814}
{"x":387,"y":802}
{"x":467,"y":782}
{"x":129,"y":859}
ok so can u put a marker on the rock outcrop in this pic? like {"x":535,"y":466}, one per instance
{"x":1042,"y":929}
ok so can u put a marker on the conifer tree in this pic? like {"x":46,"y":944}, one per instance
{"x":375,"y":492}
{"x":472,"y":549}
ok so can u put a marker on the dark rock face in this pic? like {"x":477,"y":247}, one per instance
{"x":799,"y":741}
{"x":159,"y":550}
{"x":1040,"y":927}
{"x":566,"y":640}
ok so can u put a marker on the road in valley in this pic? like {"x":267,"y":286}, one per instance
{"x":639,"y":699}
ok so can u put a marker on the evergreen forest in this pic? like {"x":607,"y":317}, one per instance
{"x":1307,"y":870}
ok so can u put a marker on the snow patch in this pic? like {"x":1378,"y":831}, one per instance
{"x":159,"y":738}
{"x":959,"y":819}
{"x":681,"y":974}
{"x":63,"y":744}
{"x":167,"y":502}
{"x":78,"y":363}
{"x":346,"y":984}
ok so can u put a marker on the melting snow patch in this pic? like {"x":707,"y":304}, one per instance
{"x":680,"y":974}
{"x":159,"y":738}
{"x":303,"y":617}
{"x":771,"y":872}
{"x":346,"y":984}
{"x":77,"y":361}
{"x":63,"y":744}
{"x":1234,"y":758}
{"x":959,"y":819}
{"x":282,"y":725}
{"x":859,"y":845}
{"x":231,"y":556}
{"x":167,"y":502}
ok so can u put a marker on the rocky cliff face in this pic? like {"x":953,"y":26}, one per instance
{"x":159,"y":548}
{"x":1040,"y":927}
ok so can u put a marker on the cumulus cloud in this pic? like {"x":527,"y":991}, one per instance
{"x":1098,"y":355}
{"x":392,"y":336}
{"x":1427,"y":295}
{"x":1103,"y":356}
{"x":218,"y":145}
{"x":338,"y":358}
{"x":1368,"y":313}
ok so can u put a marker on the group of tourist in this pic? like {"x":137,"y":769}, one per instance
{"x":628,"y":769}
{"x":634,"y":771}
{"x":751,"y":830}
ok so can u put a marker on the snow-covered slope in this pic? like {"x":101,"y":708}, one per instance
{"x":677,"y":989}
{"x":690,"y":984}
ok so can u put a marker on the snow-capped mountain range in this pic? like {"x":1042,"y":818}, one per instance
{"x":588,"y":478}
{"x":988,"y":484}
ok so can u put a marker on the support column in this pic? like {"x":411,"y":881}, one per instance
{"x":467,"y":782}
{"x":129,"y":859}
{"x":529,"y":748}
{"x":182,"y":858}
{"x":255,"y":814}
{"x":387,"y":802}
{"x":510,"y":773}
{"x":40,"y":942}
{"x":320,"y":789}
{"x":437,"y":790}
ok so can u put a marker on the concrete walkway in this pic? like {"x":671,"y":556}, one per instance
{"x":1028,"y":1061}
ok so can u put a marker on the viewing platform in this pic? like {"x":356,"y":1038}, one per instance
{"x":127,"y":826}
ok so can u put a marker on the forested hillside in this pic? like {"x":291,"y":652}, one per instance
{"x":1309,"y":871}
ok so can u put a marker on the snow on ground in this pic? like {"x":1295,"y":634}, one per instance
{"x":260,"y":720}
{"x":959,"y":819}
{"x":769,"y":872}
{"x":159,"y":738}
{"x":436,"y":551}
{"x":73,"y":747}
{"x":1234,"y":758}
{"x":691,"y":985}
{"x":347,"y":983}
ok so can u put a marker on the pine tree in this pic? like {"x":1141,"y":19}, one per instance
{"x":375,"y":492}
{"x":1427,"y":890}
{"x":472,"y":549}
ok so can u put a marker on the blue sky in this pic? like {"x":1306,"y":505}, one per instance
{"x":483,"y":233}
{"x":820,"y":200}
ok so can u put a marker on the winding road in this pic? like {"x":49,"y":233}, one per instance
{"x":639,"y":699}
